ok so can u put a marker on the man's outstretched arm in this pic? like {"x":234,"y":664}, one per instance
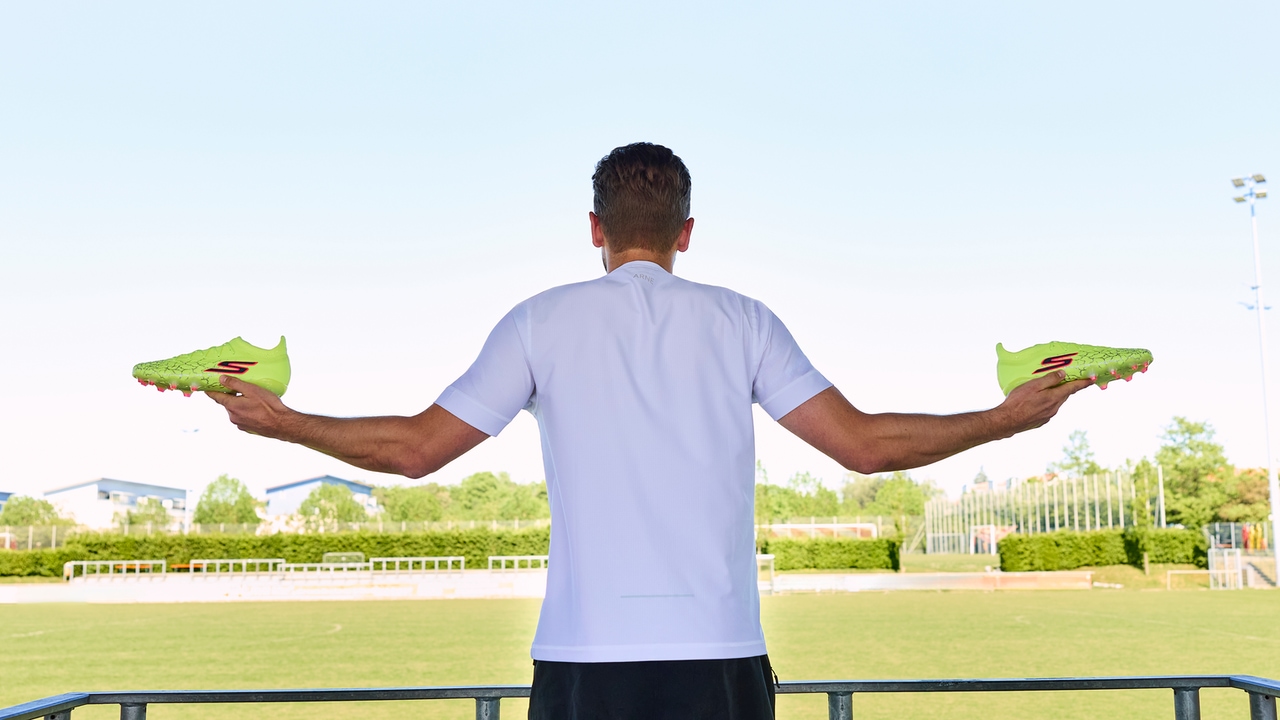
{"x":410,"y":446}
{"x":869,"y":443}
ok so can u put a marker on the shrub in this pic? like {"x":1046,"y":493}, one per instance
{"x":832,"y":553}
{"x":476,"y":545}
{"x":1067,"y":550}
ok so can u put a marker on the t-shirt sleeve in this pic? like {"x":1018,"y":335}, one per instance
{"x":497,"y":385}
{"x":785,"y":378}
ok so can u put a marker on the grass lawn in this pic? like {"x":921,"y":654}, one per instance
{"x":57,"y":648}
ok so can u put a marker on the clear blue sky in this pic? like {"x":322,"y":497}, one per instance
{"x":905,"y":184}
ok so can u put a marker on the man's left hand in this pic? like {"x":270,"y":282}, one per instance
{"x":253,"y":409}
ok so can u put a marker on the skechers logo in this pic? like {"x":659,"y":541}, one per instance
{"x":1055,"y":362}
{"x":232,"y":367}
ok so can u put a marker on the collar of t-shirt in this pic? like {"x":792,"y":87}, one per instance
{"x":646,"y":270}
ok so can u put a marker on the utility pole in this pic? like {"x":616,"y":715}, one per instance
{"x":1251,"y":193}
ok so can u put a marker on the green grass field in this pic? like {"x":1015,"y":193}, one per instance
{"x":50,"y":649}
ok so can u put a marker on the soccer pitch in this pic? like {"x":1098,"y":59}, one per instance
{"x":49,"y":649}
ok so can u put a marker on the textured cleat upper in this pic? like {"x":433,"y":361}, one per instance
{"x":199,"y":370}
{"x":1079,"y":362}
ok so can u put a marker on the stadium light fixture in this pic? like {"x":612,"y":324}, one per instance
{"x":1252,"y":194}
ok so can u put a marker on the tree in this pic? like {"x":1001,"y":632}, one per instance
{"x":1077,"y":457}
{"x":416,"y":503}
{"x":1195,"y":468}
{"x":227,"y":500}
{"x":859,"y":491}
{"x":892,"y":494}
{"x":148,"y":511}
{"x":485,"y":496}
{"x":332,"y":503}
{"x":25,"y":510}
{"x":804,"y":496}
{"x":1248,"y":497}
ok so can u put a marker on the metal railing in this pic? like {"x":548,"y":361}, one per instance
{"x":93,"y":568}
{"x":1186,"y":694}
{"x":323,"y":567}
{"x":518,"y":562}
{"x":418,"y":564}
{"x":243,"y":565}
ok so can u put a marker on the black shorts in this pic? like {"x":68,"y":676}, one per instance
{"x":737,"y":689}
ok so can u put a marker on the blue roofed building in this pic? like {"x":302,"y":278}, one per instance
{"x":99,"y":503}
{"x":286,"y":499}
{"x":4,"y":498}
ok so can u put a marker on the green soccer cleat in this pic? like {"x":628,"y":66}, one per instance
{"x":1094,"y":362}
{"x":199,"y":370}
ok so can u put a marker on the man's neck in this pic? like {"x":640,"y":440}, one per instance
{"x":613,"y":261}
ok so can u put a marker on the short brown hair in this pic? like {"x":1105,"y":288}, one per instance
{"x":641,"y":197}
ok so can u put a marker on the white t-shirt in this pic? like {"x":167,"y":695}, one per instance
{"x":642,"y":384}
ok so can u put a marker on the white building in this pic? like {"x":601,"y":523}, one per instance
{"x":286,"y":499}
{"x":97,"y":503}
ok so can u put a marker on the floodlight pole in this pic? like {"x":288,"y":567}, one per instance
{"x":1251,"y":196}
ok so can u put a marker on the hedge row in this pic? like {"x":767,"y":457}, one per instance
{"x":832,"y":553}
{"x":476,"y":545}
{"x":1067,"y":550}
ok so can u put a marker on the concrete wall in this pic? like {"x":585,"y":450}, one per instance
{"x":365,"y":585}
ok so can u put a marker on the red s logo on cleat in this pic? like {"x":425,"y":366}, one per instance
{"x":1055,"y":362}
{"x":232,"y":367}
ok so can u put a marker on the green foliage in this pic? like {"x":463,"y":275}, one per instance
{"x":227,"y":500}
{"x":476,"y":545}
{"x":331,"y":503}
{"x":1077,"y":457}
{"x":1248,"y":498}
{"x":1067,"y":550}
{"x":803,"y":495}
{"x":482,"y":496}
{"x":415,"y":503}
{"x":39,"y":563}
{"x":25,"y":510}
{"x":148,"y":511}
{"x":1167,"y":546}
{"x":894,"y":495}
{"x":1194,"y":470}
{"x":832,"y":553}
{"x":485,"y":496}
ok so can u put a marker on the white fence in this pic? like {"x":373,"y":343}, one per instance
{"x":256,"y":566}
{"x":529,"y":562}
{"x":418,"y":564}
{"x":112,"y":567}
{"x":978,"y":520}
{"x":245,"y":565}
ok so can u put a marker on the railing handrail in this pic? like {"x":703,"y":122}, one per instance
{"x":1186,"y":687}
{"x":435,"y":560}
{"x":515,"y":561}
{"x":205,"y":563}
